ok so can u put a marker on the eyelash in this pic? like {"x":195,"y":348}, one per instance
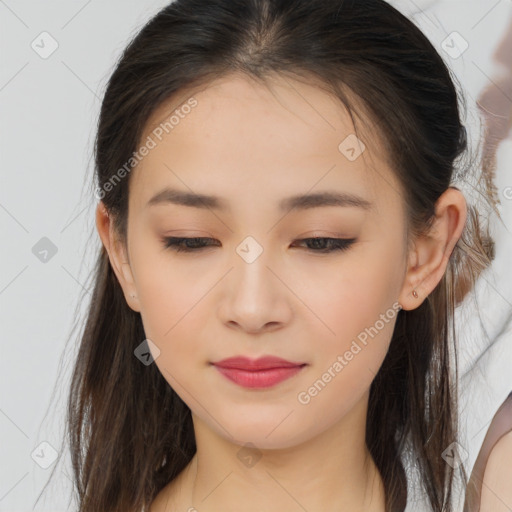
{"x":176,"y":244}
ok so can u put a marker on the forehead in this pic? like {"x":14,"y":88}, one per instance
{"x":235,"y":137}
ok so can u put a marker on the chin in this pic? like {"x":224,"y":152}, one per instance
{"x":267,"y":435}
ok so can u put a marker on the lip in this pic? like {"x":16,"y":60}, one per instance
{"x":264,"y":372}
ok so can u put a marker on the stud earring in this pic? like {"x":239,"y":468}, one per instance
{"x":415,"y":294}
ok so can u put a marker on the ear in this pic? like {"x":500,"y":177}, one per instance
{"x":117,"y":256}
{"x":429,"y":257}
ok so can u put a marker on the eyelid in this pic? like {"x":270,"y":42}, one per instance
{"x":336,"y":244}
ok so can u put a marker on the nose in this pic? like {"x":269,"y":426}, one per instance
{"x":255,"y":297}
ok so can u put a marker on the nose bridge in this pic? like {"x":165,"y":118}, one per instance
{"x":251,"y":272}
{"x":254,"y":296}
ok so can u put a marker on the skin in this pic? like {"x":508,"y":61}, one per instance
{"x":496,"y":488}
{"x":254,"y":147}
{"x":489,"y":487}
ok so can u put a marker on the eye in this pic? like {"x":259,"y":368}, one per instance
{"x":180,"y":244}
{"x":318,"y":245}
{"x":326,"y":245}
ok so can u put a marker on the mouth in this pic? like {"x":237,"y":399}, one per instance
{"x":264,"y":372}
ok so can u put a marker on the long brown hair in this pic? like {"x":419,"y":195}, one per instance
{"x":129,"y":433}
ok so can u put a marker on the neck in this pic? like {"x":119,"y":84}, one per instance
{"x":330,"y":472}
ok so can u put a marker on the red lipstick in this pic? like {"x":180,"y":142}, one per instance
{"x":257,"y":373}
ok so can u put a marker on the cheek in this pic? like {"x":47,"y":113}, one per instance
{"x":351,"y":295}
{"x":168,"y":299}
{"x":356,"y":301}
{"x":170,"y":313}
{"x":346,"y":360}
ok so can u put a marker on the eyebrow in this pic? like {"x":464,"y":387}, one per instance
{"x":300,"y":202}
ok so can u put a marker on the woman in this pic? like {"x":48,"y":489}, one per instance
{"x":276,"y":178}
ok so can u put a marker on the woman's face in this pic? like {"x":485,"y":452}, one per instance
{"x":259,"y":288}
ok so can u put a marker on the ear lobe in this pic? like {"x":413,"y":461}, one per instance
{"x":117,"y":255}
{"x":412,"y":295}
{"x":425,"y":270}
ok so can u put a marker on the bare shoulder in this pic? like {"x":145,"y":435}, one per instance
{"x":497,"y":481}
